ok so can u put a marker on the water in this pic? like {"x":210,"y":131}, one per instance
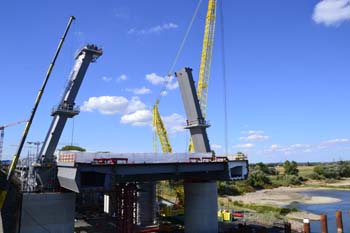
{"x":329,"y":209}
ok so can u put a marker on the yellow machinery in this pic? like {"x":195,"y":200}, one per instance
{"x":161,"y":131}
{"x":202,"y":89}
{"x":207,"y":50}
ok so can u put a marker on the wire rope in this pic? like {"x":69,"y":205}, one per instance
{"x":224,"y":76}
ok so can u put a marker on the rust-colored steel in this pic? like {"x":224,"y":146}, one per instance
{"x":306,"y":225}
{"x":339,"y":220}
{"x":324,"y":226}
{"x":125,"y":200}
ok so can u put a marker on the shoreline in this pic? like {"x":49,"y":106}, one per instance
{"x":285,"y":196}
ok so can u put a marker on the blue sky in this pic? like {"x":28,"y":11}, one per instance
{"x":287,"y":71}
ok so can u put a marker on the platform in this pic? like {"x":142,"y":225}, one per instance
{"x":81,"y":171}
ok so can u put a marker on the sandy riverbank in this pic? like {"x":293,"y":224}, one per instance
{"x":283,"y":196}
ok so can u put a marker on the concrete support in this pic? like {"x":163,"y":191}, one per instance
{"x":47,"y":212}
{"x":147,"y":204}
{"x":201,"y":206}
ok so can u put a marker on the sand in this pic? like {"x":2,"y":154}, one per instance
{"x":284,"y":196}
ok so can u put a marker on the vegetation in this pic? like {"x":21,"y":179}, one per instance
{"x":331,"y":171}
{"x":264,"y":208}
{"x":72,"y":147}
{"x":290,"y":168}
{"x":262,"y":176}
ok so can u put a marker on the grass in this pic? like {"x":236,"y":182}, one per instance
{"x":225,"y":203}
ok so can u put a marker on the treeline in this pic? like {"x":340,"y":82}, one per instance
{"x":263,"y":176}
{"x":331,"y":171}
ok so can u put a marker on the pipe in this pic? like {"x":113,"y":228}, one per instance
{"x":339,"y":220}
{"x":306,"y":225}
{"x":324,"y":226}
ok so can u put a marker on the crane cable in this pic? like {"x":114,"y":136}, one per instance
{"x":224,"y":75}
{"x":178,"y":53}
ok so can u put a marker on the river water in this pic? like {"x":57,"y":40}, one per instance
{"x":329,"y":209}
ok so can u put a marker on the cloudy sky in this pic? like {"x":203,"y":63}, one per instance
{"x":287,"y":74}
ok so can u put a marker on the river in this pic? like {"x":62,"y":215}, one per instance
{"x":329,"y":209}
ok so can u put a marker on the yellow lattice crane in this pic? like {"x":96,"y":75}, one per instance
{"x":207,"y":50}
{"x":160,"y":131}
{"x":202,"y":89}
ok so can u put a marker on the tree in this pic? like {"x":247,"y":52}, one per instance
{"x":290,"y":168}
{"x":71,"y":147}
{"x":262,"y":167}
{"x":258,"y":179}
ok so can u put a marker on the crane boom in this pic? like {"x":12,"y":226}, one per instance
{"x":3,"y":190}
{"x":207,"y":51}
{"x":204,"y":74}
{"x":158,"y":125}
{"x":2,"y":133}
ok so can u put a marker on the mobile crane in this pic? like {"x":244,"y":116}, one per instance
{"x":203,"y":83}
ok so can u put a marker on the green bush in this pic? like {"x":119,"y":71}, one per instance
{"x":228,"y":188}
{"x":258,"y":179}
{"x":290,"y":168}
{"x":286,"y":180}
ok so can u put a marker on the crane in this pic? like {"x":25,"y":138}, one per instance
{"x":202,"y":88}
{"x":2,"y":133}
{"x":161,"y":131}
{"x":207,"y":51}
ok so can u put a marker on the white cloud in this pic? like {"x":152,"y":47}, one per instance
{"x":244,"y":146}
{"x":216,"y":147}
{"x":331,"y":12}
{"x":122,"y":77}
{"x":288,"y":148}
{"x":155,"y":29}
{"x":174,"y":123}
{"x":106,"y":79}
{"x":171,"y":85}
{"x":133,"y":111}
{"x":336,"y":141}
{"x":255,"y":138}
{"x":275,"y":147}
{"x":140,"y":91}
{"x":110,"y":105}
{"x":155,"y":79}
{"x":250,"y":132}
{"x":135,"y":104}
{"x":138,"y":118}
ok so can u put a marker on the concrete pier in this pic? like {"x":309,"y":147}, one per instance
{"x":147,"y":204}
{"x":47,"y":212}
{"x":201,"y":206}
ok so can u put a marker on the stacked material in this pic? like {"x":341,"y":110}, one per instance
{"x":88,"y":157}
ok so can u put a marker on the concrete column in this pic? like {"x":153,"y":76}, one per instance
{"x":48,"y":212}
{"x":147,"y":204}
{"x":201,"y":206}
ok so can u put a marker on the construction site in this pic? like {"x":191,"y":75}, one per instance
{"x":74,"y":191}
{"x":140,"y":116}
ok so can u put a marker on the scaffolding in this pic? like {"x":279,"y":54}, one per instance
{"x":124,"y":197}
